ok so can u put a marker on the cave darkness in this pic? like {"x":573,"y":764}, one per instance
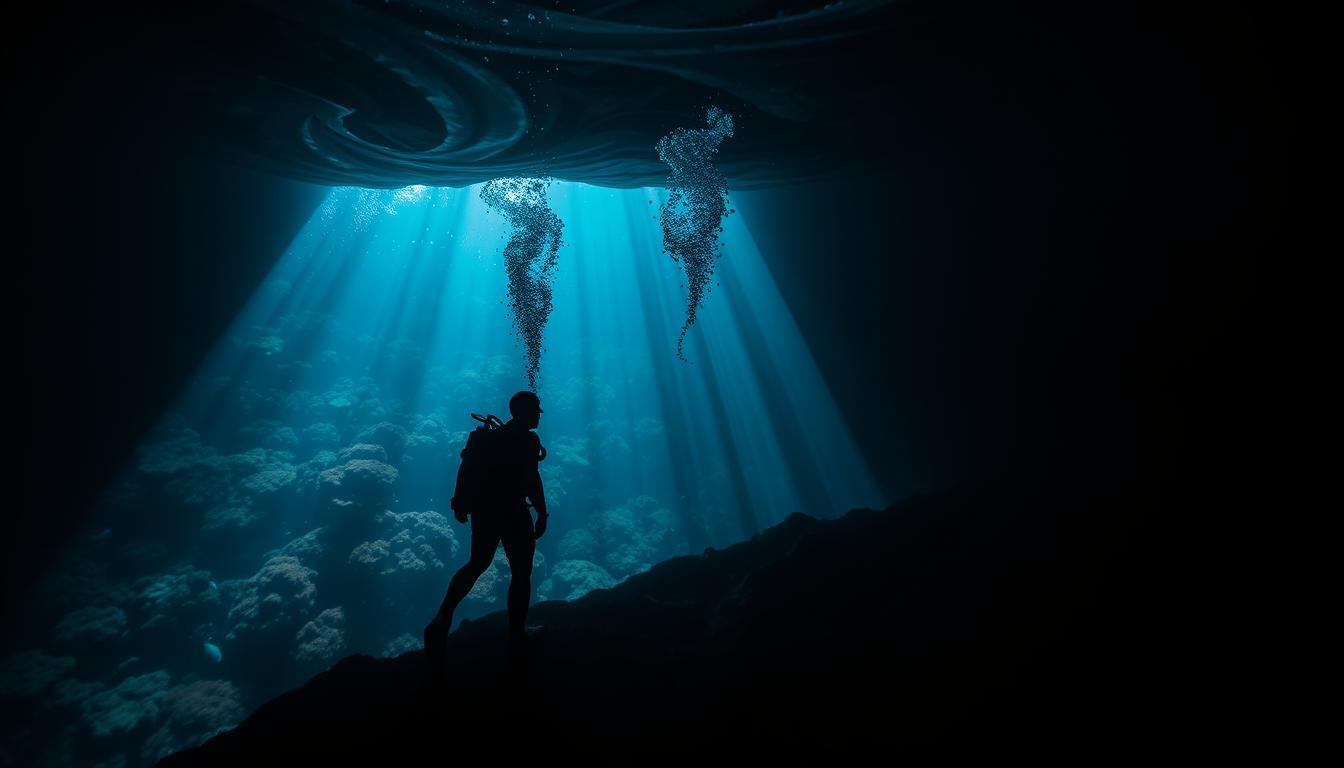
{"x":1087,"y":192}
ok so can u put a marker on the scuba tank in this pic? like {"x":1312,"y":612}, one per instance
{"x":487,"y":468}
{"x":472,"y":480}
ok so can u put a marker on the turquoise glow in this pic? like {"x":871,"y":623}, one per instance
{"x":412,"y":281}
{"x":241,"y":525}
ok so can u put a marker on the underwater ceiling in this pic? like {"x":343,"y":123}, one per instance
{"x":397,"y":92}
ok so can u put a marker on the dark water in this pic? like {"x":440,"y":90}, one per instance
{"x":1032,"y":254}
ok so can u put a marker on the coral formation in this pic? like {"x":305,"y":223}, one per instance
{"x":278,"y":596}
{"x":91,"y":625}
{"x":194,"y":712}
{"x":28,"y":673}
{"x":367,"y":482}
{"x":572,"y":579}
{"x":125,"y":706}
{"x":323,"y":638}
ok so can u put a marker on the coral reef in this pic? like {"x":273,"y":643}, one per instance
{"x":322,"y":434}
{"x":367,"y":482}
{"x":636,"y":535}
{"x":180,"y":597}
{"x":125,"y":706}
{"x":91,"y":625}
{"x":572,"y":579}
{"x":391,"y":437}
{"x":400,"y":644}
{"x":194,"y":712}
{"x":321,"y":639}
{"x":578,"y":544}
{"x":277,"y":598}
{"x":28,"y":673}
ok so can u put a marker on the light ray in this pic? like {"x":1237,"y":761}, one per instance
{"x":319,"y":440}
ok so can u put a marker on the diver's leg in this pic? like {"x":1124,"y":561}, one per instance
{"x":519,"y":548}
{"x":484,"y":542}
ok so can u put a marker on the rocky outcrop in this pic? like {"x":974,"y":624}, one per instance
{"x":934,"y":621}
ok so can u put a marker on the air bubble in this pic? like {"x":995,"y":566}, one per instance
{"x":530,"y":257}
{"x":697,"y":199}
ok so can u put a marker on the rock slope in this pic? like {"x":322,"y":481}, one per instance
{"x":949,"y":619}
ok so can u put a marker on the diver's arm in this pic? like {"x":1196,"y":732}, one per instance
{"x":537,"y":494}
{"x":538,"y":497}
{"x":460,"y":506}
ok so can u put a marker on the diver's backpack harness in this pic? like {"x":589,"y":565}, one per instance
{"x":479,"y":468}
{"x":490,"y":422}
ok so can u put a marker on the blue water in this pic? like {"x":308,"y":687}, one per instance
{"x":291,"y":507}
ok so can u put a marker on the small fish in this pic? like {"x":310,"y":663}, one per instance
{"x":103,"y":534}
{"x":213,"y":585}
{"x":213,"y":652}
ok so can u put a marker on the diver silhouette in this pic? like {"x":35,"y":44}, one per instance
{"x":497,"y":478}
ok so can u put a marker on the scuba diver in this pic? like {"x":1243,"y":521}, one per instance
{"x":497,"y":478}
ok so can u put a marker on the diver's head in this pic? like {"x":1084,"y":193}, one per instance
{"x":525,"y":407}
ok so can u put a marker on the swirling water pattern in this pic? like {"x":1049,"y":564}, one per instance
{"x":400,"y":92}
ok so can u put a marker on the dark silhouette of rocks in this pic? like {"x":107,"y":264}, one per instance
{"x":966,"y":619}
